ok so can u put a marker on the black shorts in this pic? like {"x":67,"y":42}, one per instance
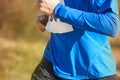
{"x":44,"y":71}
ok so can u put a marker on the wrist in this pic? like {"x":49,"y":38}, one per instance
{"x":56,"y":9}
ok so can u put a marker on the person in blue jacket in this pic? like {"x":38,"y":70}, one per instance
{"x":85,"y":53}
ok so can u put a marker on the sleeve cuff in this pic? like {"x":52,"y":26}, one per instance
{"x":60,"y":10}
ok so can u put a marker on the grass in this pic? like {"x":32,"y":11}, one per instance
{"x":21,"y":46}
{"x":18,"y":58}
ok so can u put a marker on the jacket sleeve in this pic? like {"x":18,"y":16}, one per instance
{"x":105,"y":23}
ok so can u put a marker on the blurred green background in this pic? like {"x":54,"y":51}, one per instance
{"x":21,"y":44}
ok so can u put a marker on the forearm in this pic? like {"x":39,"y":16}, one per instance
{"x":105,"y":23}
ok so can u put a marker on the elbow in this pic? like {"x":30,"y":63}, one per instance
{"x":115,"y":29}
{"x":113,"y":24}
{"x":114,"y":34}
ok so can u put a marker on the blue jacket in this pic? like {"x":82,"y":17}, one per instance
{"x":84,"y":53}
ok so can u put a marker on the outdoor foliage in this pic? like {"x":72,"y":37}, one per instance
{"x":17,"y":19}
{"x":21,"y":44}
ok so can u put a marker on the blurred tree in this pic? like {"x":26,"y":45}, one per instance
{"x":17,"y":17}
{"x":2,"y":13}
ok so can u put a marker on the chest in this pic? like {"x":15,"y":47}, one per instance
{"x":88,"y":5}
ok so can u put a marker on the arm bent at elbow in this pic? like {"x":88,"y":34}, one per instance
{"x":105,"y":23}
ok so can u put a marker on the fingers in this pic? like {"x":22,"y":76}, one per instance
{"x":46,"y":10}
{"x":43,"y":19}
{"x":40,"y":26}
{"x":39,"y":3}
{"x":43,"y":5}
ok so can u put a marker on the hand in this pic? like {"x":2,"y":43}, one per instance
{"x":41,"y":22}
{"x":47,"y":6}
